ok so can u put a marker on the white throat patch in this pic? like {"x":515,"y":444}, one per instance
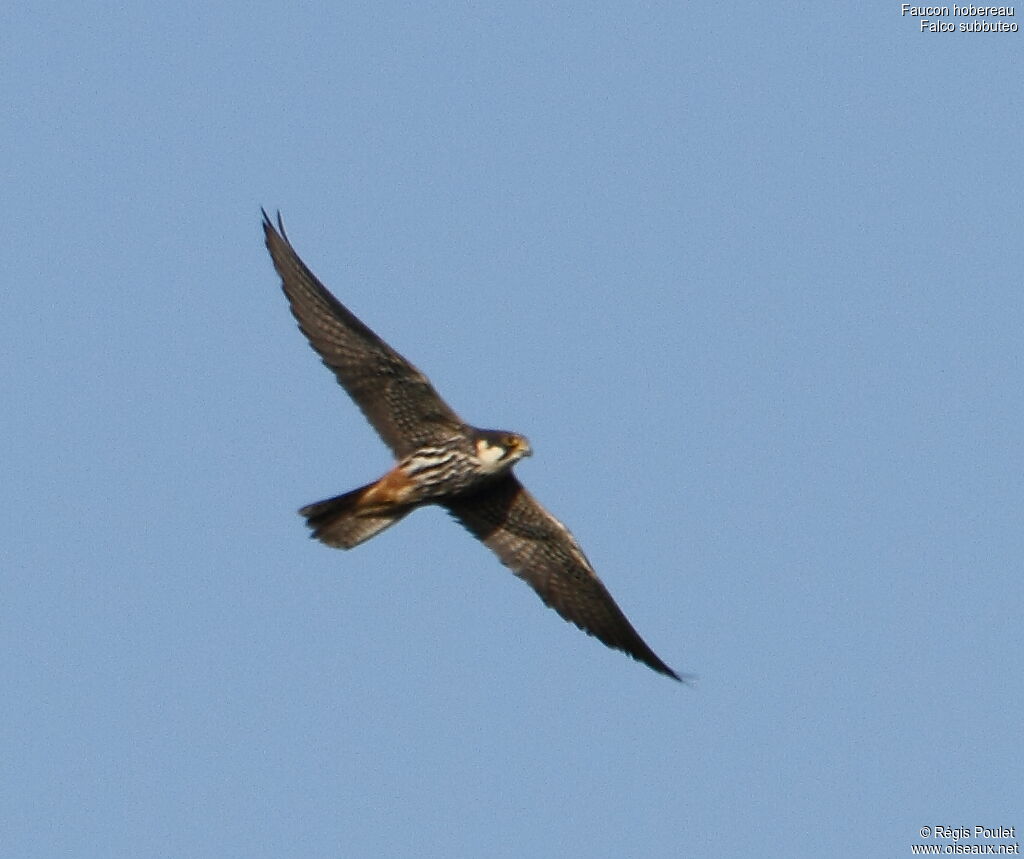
{"x":489,"y":454}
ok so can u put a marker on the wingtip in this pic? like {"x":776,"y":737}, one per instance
{"x":646,"y":656}
{"x":686,"y":679}
{"x":662,"y":668}
{"x":268,"y":224}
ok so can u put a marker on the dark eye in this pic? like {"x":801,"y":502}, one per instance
{"x":511,"y":441}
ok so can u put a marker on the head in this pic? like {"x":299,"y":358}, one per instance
{"x":499,"y":449}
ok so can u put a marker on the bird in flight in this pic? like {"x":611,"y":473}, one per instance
{"x":442,"y":460}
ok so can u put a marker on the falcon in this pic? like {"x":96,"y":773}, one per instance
{"x":442,"y":460}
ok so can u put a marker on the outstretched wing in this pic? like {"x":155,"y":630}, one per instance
{"x":397,"y":399}
{"x":539,"y":549}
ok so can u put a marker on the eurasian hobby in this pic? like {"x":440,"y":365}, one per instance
{"x":442,"y":460}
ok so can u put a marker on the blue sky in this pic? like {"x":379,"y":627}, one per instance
{"x":750,"y":281}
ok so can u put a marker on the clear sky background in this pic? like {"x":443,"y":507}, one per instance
{"x":750,"y":281}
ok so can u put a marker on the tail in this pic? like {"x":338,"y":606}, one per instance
{"x":338,"y":521}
